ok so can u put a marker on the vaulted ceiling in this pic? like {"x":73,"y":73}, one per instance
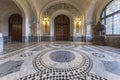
{"x":33,"y":7}
{"x":8,"y":6}
{"x":84,"y":4}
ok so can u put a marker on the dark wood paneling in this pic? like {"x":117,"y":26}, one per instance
{"x":15,"y":27}
{"x":62,"y":28}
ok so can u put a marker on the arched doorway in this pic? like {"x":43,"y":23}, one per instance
{"x":62,"y":28}
{"x":15,"y":27}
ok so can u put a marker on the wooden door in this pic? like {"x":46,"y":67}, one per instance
{"x":62,"y":28}
{"x":15,"y":27}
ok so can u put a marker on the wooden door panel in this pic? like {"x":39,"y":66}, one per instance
{"x":15,"y":27}
{"x":62,"y":28}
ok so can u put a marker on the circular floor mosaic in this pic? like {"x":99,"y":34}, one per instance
{"x":62,"y":45}
{"x":62,"y":59}
{"x":62,"y":56}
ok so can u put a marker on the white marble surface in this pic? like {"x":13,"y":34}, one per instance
{"x":1,"y":43}
{"x":98,"y":67}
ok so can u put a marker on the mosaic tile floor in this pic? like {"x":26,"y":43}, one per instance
{"x":61,"y":61}
{"x":12,"y":46}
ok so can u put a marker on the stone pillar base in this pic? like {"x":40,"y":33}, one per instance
{"x":1,"y":42}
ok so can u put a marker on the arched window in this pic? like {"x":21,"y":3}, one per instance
{"x":110,"y":17}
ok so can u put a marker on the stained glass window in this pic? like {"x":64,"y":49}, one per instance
{"x":111,"y":18}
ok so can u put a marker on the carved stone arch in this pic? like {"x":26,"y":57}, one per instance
{"x":65,"y":6}
{"x":34,"y":12}
{"x":5,"y":24}
{"x":23,"y":13}
{"x":95,"y":10}
{"x":61,"y":6}
{"x":8,"y":11}
{"x":20,"y":7}
{"x":68,"y":3}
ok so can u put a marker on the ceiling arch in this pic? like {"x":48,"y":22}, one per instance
{"x":8,"y":6}
{"x":59,"y":6}
{"x":94,"y":11}
{"x":91,"y":9}
{"x":82,"y":5}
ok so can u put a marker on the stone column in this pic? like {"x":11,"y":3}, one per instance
{"x":27,"y":31}
{"x":1,"y":42}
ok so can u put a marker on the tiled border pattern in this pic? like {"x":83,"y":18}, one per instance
{"x":60,"y":75}
{"x":84,"y":67}
{"x":61,"y":45}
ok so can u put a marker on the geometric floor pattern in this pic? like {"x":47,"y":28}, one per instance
{"x":54,"y":75}
{"x":62,"y":61}
{"x":44,"y":62}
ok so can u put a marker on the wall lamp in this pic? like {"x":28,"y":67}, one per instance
{"x":46,"y":23}
{"x":77,"y":24}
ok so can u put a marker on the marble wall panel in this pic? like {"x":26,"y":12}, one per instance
{"x":113,"y":41}
{"x":1,"y":43}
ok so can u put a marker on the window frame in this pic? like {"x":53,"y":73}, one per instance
{"x":110,"y":15}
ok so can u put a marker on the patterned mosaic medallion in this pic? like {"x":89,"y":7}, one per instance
{"x":62,"y":59}
{"x":62,"y":56}
{"x":62,"y":45}
{"x":98,"y":55}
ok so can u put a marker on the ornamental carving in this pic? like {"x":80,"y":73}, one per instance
{"x":99,"y":34}
{"x":62,"y":6}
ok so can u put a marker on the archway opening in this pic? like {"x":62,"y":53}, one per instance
{"x":15,"y":27}
{"x":62,"y":28}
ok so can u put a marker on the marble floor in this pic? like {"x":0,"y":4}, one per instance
{"x":12,"y":46}
{"x":60,"y":61}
